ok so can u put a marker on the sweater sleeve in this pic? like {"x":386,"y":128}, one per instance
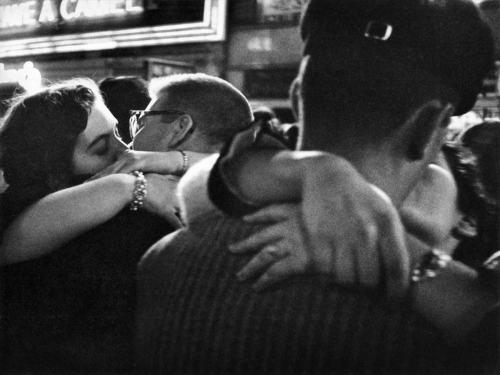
{"x":208,"y":186}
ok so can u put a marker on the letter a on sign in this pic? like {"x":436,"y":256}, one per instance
{"x":48,"y":12}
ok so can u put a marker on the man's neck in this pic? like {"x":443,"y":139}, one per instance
{"x":376,"y":164}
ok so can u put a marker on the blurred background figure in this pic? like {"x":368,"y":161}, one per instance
{"x":459,"y":124}
{"x":122,"y":94}
{"x":482,"y":150}
{"x":289,"y":132}
{"x":266,"y":114}
{"x":456,"y":204}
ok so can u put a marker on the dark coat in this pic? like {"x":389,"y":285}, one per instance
{"x":194,"y":317}
{"x":73,"y":309}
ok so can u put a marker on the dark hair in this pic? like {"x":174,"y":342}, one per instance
{"x":38,"y":137}
{"x":484,"y":142}
{"x":8,"y":92}
{"x":366,"y":100}
{"x":448,"y":40}
{"x":122,"y":94}
{"x":465,"y":169}
{"x":264,"y":114}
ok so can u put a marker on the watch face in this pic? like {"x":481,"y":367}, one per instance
{"x":431,"y":264}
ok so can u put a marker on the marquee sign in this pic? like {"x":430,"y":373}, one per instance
{"x":33,"y":27}
{"x":31,"y":12}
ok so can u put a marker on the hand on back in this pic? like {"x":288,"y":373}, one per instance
{"x":343,"y":227}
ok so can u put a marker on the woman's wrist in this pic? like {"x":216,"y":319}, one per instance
{"x":123,"y":186}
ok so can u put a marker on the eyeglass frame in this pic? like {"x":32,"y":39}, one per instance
{"x":136,"y":114}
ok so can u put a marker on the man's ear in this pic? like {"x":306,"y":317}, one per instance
{"x":182,"y":127}
{"x":423,"y":125}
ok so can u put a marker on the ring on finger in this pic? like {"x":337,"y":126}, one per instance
{"x":275,"y":252}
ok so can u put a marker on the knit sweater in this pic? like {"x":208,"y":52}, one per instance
{"x":194,"y":317}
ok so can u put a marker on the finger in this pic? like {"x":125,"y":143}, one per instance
{"x":260,"y":262}
{"x":275,"y":212}
{"x":344,"y":265}
{"x":257,"y":240}
{"x":368,"y":268}
{"x":395,"y":257}
{"x":279,"y":271}
{"x":367,"y":258}
{"x":126,"y":165}
{"x":126,"y":168}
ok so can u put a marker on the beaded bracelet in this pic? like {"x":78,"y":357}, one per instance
{"x":185,"y":161}
{"x":430,"y":266}
{"x":139,"y":191}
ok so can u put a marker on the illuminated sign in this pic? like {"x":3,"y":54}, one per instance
{"x":33,"y":27}
{"x":27,"y":13}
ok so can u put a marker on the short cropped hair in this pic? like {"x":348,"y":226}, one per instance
{"x":373,"y":101}
{"x":218,"y":109}
{"x":38,"y":137}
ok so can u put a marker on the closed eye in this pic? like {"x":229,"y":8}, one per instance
{"x":100,"y":146}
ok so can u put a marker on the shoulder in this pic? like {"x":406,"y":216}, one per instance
{"x":193,"y":190}
{"x":206,"y":236}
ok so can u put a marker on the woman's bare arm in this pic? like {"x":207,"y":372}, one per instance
{"x":169,"y":162}
{"x":63,"y":215}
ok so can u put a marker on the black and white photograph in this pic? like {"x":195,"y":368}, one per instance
{"x":250,"y":187}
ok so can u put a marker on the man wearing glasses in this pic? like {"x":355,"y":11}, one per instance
{"x":191,"y":112}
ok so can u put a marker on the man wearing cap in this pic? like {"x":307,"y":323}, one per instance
{"x":379,"y":82}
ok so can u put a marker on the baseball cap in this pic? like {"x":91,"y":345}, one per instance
{"x":447,"y":39}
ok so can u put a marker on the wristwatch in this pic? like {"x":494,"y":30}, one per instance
{"x":430,"y":265}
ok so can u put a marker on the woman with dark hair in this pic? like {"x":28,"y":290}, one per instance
{"x":477,"y":172}
{"x":71,"y":308}
{"x":30,"y":233}
{"x":456,"y":205}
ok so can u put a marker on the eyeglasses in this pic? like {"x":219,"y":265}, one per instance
{"x":137,"y":117}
